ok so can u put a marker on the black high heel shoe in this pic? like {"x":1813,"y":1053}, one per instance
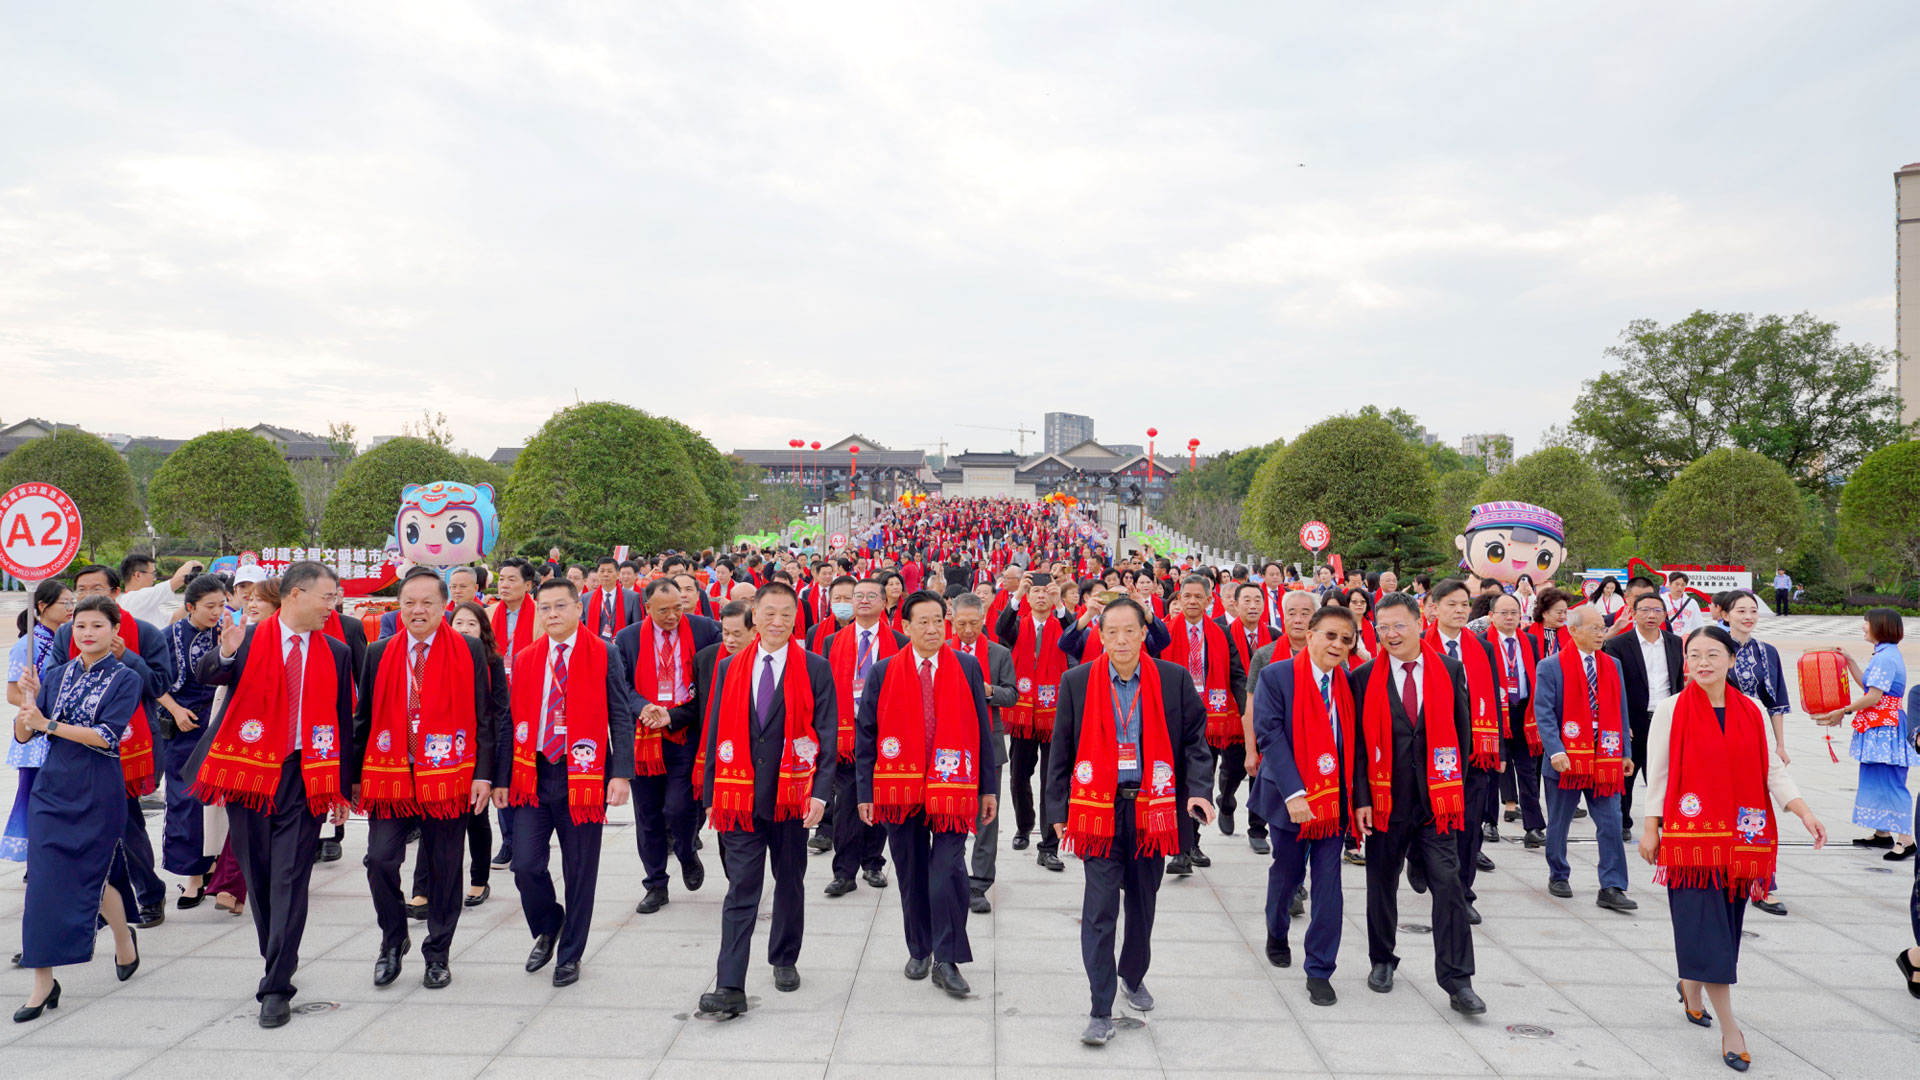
{"x":125,"y":971}
{"x":32,"y":1012}
{"x":1702,"y":1018}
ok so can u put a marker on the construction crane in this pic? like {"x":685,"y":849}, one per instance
{"x":942,"y":444}
{"x":1021,"y":432}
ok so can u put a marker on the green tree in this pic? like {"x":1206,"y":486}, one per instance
{"x":361,"y":509}
{"x":482,"y":471}
{"x":431,"y":427}
{"x":1880,"y":513}
{"x":90,"y":472}
{"x":1347,"y":471}
{"x":601,"y":474}
{"x":316,"y":477}
{"x":1564,"y":482}
{"x":1785,"y":388}
{"x":715,"y":474}
{"x":143,"y":461}
{"x":1402,"y":542}
{"x":1731,"y":507}
{"x":231,"y":488}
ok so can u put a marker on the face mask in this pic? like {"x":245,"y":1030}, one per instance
{"x":843,"y":610}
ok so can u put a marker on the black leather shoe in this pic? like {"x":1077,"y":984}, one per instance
{"x":1490,"y":832}
{"x":125,"y":971}
{"x":1534,"y":839}
{"x":502,"y":858}
{"x":1900,"y":854}
{"x":1259,"y":845}
{"x":652,"y":902}
{"x":1226,"y":806}
{"x":1020,"y":841}
{"x":1417,"y":876}
{"x":1873,"y":841}
{"x":476,"y":899}
{"x":542,"y":952}
{"x":979,"y":904}
{"x":1051,"y":861}
{"x":786,"y":978}
{"x":1771,"y":907}
{"x":840,"y":886}
{"x":151,"y":916}
{"x":1380,"y":979}
{"x":417,"y":912}
{"x":1578,"y":814}
{"x":919,"y":967}
{"x":274,"y":1011}
{"x":387,"y":967}
{"x":1279,"y":953}
{"x":329,"y":850}
{"x":25,"y":1013}
{"x":1617,"y":900}
{"x":693,"y":874}
{"x":876,"y":878}
{"x":1558,"y":887}
{"x":1510,"y":816}
{"x":1179,"y":866}
{"x":567,"y":973}
{"x":188,"y":903}
{"x":819,"y":843}
{"x":1466,"y":1002}
{"x":1482,"y":861}
{"x":437,"y":976}
{"x":1200,"y":858}
{"x":1473,"y":915}
{"x":1297,"y":906}
{"x":947,"y":977}
{"x":727,"y":1001}
{"x":1320,"y":992}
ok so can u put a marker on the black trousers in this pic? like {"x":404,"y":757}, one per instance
{"x":1638,"y":722}
{"x":534,"y":827}
{"x":275,"y":850}
{"x":857,"y":845}
{"x":439,"y":857}
{"x":1026,"y":756}
{"x":479,"y":855}
{"x":664,"y":814}
{"x":1136,"y":876}
{"x":1230,"y":764}
{"x":1781,"y":599}
{"x":1482,"y":791}
{"x":1452,"y":935}
{"x":1521,"y":782}
{"x":745,"y":855}
{"x":931,"y":869}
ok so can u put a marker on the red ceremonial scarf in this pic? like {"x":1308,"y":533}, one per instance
{"x":441,"y":785}
{"x":1320,"y":763}
{"x":1597,"y":767}
{"x":649,"y":756}
{"x":1485,"y":704}
{"x":979,"y":651}
{"x":1562,"y":637}
{"x":843,"y":656}
{"x":522,"y":635}
{"x":700,"y":751}
{"x":243,"y":765}
{"x":1717,"y":828}
{"x":1262,"y":635}
{"x":733,"y":744}
{"x":908,"y":775}
{"x":1527,"y":656}
{"x":1446,"y":790}
{"x":1367,"y":639}
{"x":586,"y":720}
{"x":136,"y":750}
{"x":1096,"y":771}
{"x":1038,"y":682}
{"x":590,"y":618}
{"x":1223,"y":718}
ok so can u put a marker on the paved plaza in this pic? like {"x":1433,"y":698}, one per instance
{"x":1572,"y":989}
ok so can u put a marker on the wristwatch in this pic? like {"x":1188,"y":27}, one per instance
{"x":51,"y":725}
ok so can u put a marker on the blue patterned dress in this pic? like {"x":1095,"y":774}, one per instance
{"x":1881,"y":801}
{"x":32,"y":651}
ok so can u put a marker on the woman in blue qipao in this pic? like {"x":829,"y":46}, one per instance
{"x":52,"y":607}
{"x":1881,"y":801}
{"x":77,"y":812}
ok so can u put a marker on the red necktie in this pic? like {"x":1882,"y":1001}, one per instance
{"x":413,"y":700}
{"x":296,"y":673}
{"x":926,"y":702}
{"x":1410,"y":694}
{"x":664,"y":665}
{"x":555,"y":745}
{"x":1196,"y":655}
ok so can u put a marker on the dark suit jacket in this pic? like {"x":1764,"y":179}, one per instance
{"x":1186,"y":735}
{"x":1470,"y":640}
{"x":215,"y":673}
{"x":629,"y":603}
{"x":767,"y":743}
{"x":1409,"y":747}
{"x":1279,"y":776}
{"x":866,"y":727}
{"x":1625,"y":651}
{"x":486,"y":725}
{"x":355,"y":636}
{"x":622,"y":713}
{"x":1073,"y":638}
{"x":881,"y":627}
{"x":627,"y":643}
{"x":1006,"y":629}
{"x":154,"y":665}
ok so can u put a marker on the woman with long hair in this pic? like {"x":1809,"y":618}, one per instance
{"x":1881,"y":801}
{"x":1606,"y":596}
{"x":51,"y":608}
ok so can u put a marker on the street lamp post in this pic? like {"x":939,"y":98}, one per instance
{"x":817,"y":478}
{"x":853,"y":483}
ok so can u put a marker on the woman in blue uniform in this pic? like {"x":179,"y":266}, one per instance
{"x":189,"y":704}
{"x":77,"y":813}
{"x":52,"y":606}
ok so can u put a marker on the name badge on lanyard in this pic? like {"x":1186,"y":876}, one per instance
{"x":1129,"y":757}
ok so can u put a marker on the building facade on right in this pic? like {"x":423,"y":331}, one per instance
{"x":1906,"y":304}
{"x":1065,"y":429}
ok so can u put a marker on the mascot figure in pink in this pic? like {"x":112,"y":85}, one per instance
{"x":1505,"y":540}
{"x":445,"y":523}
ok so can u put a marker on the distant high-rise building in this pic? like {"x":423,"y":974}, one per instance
{"x":1066,"y":430}
{"x":1494,"y":448}
{"x":1906,"y":304}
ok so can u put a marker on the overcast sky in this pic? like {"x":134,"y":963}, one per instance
{"x":800,"y":220}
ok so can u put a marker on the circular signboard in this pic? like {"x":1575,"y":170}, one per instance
{"x":1315,"y":536}
{"x":39,"y":531}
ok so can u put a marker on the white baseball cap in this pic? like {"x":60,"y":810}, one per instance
{"x":250,"y":574}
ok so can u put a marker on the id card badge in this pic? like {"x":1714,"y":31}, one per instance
{"x":665,"y":695}
{"x":859,"y":687}
{"x":1200,"y":687}
{"x":1129,"y":757}
{"x":559,"y":725}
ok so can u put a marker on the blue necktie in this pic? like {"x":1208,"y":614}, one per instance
{"x":763,"y":702}
{"x":1593,"y":691}
{"x":1326,"y":695}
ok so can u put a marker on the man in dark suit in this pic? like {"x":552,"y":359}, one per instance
{"x":1410,"y":820}
{"x":1120,"y":858}
{"x":275,"y":847}
{"x":1556,"y":704}
{"x":610,"y":607}
{"x":354,"y":634}
{"x":771,"y":832}
{"x":969,"y":625}
{"x":1037,"y":601}
{"x":423,"y":597}
{"x":1282,"y":730}
{"x":1516,"y":656}
{"x":549,"y":711}
{"x":664,"y":809}
{"x":1651,"y":667}
{"x":851,"y":652}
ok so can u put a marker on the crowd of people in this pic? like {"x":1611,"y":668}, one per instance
{"x":862,"y":703}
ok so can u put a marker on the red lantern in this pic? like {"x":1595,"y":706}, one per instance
{"x":1193,"y":454}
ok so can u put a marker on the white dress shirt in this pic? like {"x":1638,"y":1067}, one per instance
{"x":1654,"y":654}
{"x":1519,"y":659}
{"x":571,"y":642}
{"x":1400,"y":674}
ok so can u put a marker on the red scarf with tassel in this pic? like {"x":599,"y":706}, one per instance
{"x":1528,"y":659}
{"x":522,"y":636}
{"x":1446,"y":790}
{"x":1037,"y":679}
{"x":1096,"y":772}
{"x":1717,"y":826}
{"x":1485,"y":703}
{"x":649,"y":755}
{"x":243,"y":765}
{"x":1223,"y":717}
{"x":700,"y":751}
{"x":136,"y":750}
{"x":1590,"y":765}
{"x":908,"y":775}
{"x":1320,"y":762}
{"x":843,"y":656}
{"x":585,"y":716}
{"x":733,"y":743}
{"x":441,"y":784}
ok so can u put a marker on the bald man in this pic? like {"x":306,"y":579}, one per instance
{"x":1580,"y":705}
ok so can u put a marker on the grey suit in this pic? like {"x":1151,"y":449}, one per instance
{"x":1002,"y":692}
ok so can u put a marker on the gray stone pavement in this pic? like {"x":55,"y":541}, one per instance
{"x":1819,"y":994}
